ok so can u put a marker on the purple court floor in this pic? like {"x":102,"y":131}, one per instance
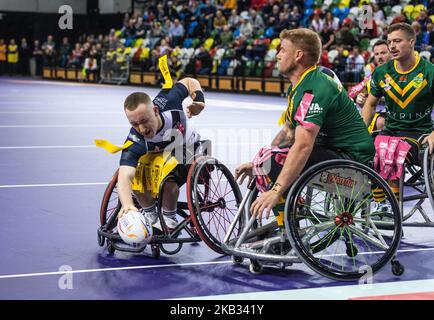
{"x":52,"y":179}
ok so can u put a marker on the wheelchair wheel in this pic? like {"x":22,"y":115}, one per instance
{"x":213,"y":199}
{"x":428,"y":165}
{"x":110,"y":203}
{"x":343,"y":240}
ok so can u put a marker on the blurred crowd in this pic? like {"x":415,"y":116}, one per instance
{"x":226,"y":37}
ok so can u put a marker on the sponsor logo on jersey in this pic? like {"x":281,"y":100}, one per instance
{"x":417,"y":81}
{"x":160,"y":102}
{"x":315,"y":108}
{"x":402,"y":79}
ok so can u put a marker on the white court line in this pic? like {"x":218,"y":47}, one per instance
{"x":52,"y":185}
{"x":113,"y":269}
{"x":48,"y":147}
{"x":66,"y":126}
{"x":147,"y":267}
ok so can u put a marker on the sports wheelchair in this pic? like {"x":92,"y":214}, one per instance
{"x":326,"y":221}
{"x":212,"y":200}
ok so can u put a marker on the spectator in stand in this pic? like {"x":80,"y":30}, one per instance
{"x":268,"y":8}
{"x":259,"y":49}
{"x":257,"y":21}
{"x":163,"y":48}
{"x":219,"y":21}
{"x":49,"y":44}
{"x":3,"y":56}
{"x":379,"y":17}
{"x":282,"y":24}
{"x":226,"y":37}
{"x":246,"y":28}
{"x":234,"y":20}
{"x":176,"y":33}
{"x":12,"y":57}
{"x":273,"y":17}
{"x":140,"y":28}
{"x":76,"y":57}
{"x":24,"y":54}
{"x":166,"y":27}
{"x":316,"y":24}
{"x":208,"y":12}
{"x":430,"y":37}
{"x":39,"y":59}
{"x":418,"y":46}
{"x":228,"y":6}
{"x":354,"y":66}
{"x":206,"y":62}
{"x":327,"y":37}
{"x":50,"y":56}
{"x":331,"y":21}
{"x":155,"y":34}
{"x":65,"y":51}
{"x":344,"y":36}
{"x":294,"y":17}
{"x":423,"y":20}
{"x":90,"y":67}
{"x":340,"y":61}
{"x":172,"y":11}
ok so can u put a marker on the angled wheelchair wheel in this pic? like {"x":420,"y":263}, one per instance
{"x":335,"y":229}
{"x":110,"y":204}
{"x":428,"y":165}
{"x":213,"y":199}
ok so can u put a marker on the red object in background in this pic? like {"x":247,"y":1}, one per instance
{"x":324,"y":60}
{"x":257,"y":4}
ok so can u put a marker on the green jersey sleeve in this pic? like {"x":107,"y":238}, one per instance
{"x":375,"y":88}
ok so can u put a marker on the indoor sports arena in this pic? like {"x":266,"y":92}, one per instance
{"x":216,"y":150}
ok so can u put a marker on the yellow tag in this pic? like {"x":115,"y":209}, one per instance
{"x":110,"y":147}
{"x":372,"y":125}
{"x":282,"y":118}
{"x":164,"y":68}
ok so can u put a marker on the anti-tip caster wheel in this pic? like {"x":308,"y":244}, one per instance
{"x":397,"y":268}
{"x":255,"y":267}
{"x":101,"y":240}
{"x":110,"y":248}
{"x":237,"y":260}
{"x":155,"y":251}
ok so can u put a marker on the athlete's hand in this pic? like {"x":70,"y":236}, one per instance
{"x":195,"y":108}
{"x":243,"y":171}
{"x":361,"y":98}
{"x":265,"y":202}
{"x":125,"y":209}
{"x":430,"y":141}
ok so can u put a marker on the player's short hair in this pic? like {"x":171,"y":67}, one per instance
{"x":405,"y":27}
{"x":306,"y":40}
{"x":379,"y":43}
{"x":136,"y":98}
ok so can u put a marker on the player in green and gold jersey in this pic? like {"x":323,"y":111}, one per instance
{"x":406,"y":83}
{"x":322,"y":122}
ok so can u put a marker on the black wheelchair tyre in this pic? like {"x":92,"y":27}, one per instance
{"x":302,"y":250}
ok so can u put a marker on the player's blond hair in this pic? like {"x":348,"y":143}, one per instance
{"x":306,"y":40}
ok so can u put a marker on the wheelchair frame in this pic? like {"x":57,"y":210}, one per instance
{"x":258,"y":251}
{"x":189,"y":223}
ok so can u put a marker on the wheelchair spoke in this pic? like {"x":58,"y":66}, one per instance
{"x":364,"y":236}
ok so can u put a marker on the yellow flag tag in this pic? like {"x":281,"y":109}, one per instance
{"x":282,"y":118}
{"x":164,"y":68}
{"x":110,"y":147}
